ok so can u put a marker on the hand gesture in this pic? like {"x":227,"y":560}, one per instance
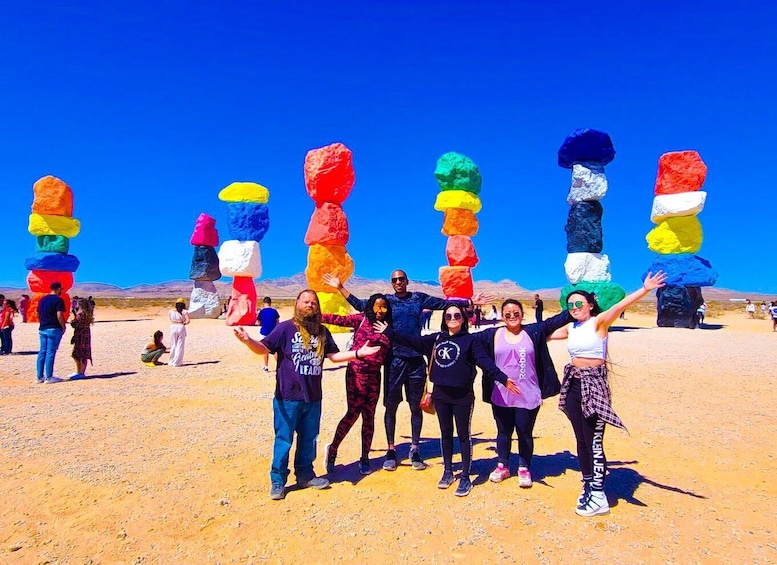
{"x":241,"y":334}
{"x":481,"y":299}
{"x":332,"y":280}
{"x":379,"y":326}
{"x":652,"y":282}
{"x":512,"y":387}
{"x":367,"y":350}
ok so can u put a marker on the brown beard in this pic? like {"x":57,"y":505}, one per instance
{"x":308,"y":324}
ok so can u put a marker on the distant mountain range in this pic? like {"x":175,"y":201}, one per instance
{"x":289,"y":287}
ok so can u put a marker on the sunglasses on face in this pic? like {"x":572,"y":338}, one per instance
{"x":575,"y":304}
{"x":398,"y":279}
{"x":377,"y":309}
{"x":510,"y":315}
{"x":454,"y":316}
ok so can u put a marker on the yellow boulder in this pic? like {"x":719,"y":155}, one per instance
{"x":682,"y":234}
{"x":245,"y":192}
{"x":46,"y":224}
{"x":334,"y":303}
{"x":323,"y":259}
{"x":457,"y":199}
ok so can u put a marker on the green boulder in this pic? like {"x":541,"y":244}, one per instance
{"x":607,"y":294}
{"x":53,"y":243}
{"x":458,"y":172}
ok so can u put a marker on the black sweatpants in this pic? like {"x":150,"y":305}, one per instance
{"x":462,"y":414}
{"x":589,"y":433}
{"x":509,"y":420}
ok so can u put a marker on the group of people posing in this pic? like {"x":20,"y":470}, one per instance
{"x":518,"y":374}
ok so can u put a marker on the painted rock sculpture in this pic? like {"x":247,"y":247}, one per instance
{"x":204,"y":301}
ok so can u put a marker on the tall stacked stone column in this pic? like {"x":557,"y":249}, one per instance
{"x":53,"y":225}
{"x":459,"y":180}
{"x":204,"y":301}
{"x":586,"y":152}
{"x":248,"y":220}
{"x":678,"y":236}
{"x":329,"y":179}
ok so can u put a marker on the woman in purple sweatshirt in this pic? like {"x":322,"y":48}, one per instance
{"x":453,"y":353}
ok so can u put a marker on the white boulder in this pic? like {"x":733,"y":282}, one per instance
{"x":240,"y":259}
{"x":204,"y":301}
{"x":676,"y":205}
{"x":589,"y":182}
{"x":590,"y":267}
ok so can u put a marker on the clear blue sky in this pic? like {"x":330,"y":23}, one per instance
{"x":148,"y":109}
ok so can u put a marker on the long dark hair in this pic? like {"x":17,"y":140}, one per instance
{"x":158,"y":335}
{"x":590,"y":297}
{"x":12,"y":305}
{"x":464,"y":319}
{"x":370,"y":314}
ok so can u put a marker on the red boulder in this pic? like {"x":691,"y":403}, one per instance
{"x":328,"y":226}
{"x":460,"y":251}
{"x":40,"y":281}
{"x":329,"y":173}
{"x":242,"y":305}
{"x":680,"y":171}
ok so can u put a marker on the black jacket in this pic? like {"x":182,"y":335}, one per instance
{"x":538,"y":333}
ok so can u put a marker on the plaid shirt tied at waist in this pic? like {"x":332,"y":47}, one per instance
{"x":595,"y":392}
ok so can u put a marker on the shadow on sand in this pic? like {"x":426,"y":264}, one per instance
{"x":105,"y":376}
{"x":127,"y":320}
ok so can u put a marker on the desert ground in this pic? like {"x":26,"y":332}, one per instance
{"x":141,"y":464}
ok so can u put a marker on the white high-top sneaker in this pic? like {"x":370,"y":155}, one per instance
{"x":594,"y":504}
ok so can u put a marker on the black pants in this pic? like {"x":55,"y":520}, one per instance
{"x":408,"y":373}
{"x":509,"y":420}
{"x":462,"y":414}
{"x":589,"y":433}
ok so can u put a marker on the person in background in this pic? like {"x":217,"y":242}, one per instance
{"x":763,"y":309}
{"x":426,"y":319}
{"x":82,"y":337}
{"x":538,"y":306}
{"x":493,"y":316}
{"x":179,"y":319}
{"x":51,"y":316}
{"x":750,"y":309}
{"x":773,"y":313}
{"x":701,"y":311}
{"x":154,"y":350}
{"x":24,"y":306}
{"x":478,"y":316}
{"x":7,"y":311}
{"x":267,"y":317}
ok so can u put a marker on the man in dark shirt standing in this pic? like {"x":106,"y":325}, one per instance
{"x":51,"y":314}
{"x":268,"y":317}
{"x":405,"y":368}
{"x":538,"y":307}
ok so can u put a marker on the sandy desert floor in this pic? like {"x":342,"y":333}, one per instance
{"x":170,"y":465}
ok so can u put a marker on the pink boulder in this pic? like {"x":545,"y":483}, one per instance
{"x":456,"y":282}
{"x":460,"y":251}
{"x":328,"y":226}
{"x":329,"y":173}
{"x":242,"y":304}
{"x":205,"y":231}
{"x":680,"y":171}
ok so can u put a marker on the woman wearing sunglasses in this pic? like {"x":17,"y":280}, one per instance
{"x":453,"y":355}
{"x":585,"y":391}
{"x":520,"y":352}
{"x":362,"y":377}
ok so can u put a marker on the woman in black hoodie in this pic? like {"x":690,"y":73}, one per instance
{"x":453,"y":355}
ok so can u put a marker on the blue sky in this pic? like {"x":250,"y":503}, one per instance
{"x":148,"y":109}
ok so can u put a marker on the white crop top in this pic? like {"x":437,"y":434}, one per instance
{"x":582,"y":341}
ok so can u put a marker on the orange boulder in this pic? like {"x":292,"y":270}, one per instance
{"x":40,"y":281}
{"x":460,"y":251}
{"x":53,"y":197}
{"x":332,"y":259}
{"x":328,"y":225}
{"x":680,"y":171}
{"x":456,"y":282}
{"x":32,"y":310}
{"x":459,"y":222}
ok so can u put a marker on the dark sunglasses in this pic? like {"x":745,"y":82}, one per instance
{"x":454,"y":316}
{"x":398,"y":279}
{"x":575,"y":304}
{"x":510,"y":315}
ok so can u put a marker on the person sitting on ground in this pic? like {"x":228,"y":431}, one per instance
{"x":267,"y":317}
{"x":154,"y":350}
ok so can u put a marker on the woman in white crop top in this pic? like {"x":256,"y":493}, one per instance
{"x":585,"y":391}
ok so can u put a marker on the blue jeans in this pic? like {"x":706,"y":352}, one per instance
{"x":304,"y":418}
{"x":49,"y":342}
{"x":6,"y":339}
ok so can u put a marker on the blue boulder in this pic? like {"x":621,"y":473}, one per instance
{"x":205,"y":264}
{"x":584,"y":227}
{"x":52,"y":262}
{"x":586,"y":145}
{"x":247,"y":220}
{"x":684,"y":269}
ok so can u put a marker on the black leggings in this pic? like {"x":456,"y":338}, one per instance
{"x":462,"y":413}
{"x":589,"y":433}
{"x":509,"y":420}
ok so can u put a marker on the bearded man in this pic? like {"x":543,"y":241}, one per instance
{"x":301,"y":345}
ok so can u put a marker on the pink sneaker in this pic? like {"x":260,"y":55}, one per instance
{"x":524,"y":477}
{"x":499,"y":474}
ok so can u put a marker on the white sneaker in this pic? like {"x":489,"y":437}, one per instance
{"x":51,"y":380}
{"x":499,"y":474}
{"x":524,"y":477}
{"x":594,"y":504}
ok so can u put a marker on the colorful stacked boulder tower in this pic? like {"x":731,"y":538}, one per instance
{"x":329,"y":179}
{"x":459,"y":180}
{"x":586,"y":152}
{"x":204,"y":301}
{"x":53,"y":225}
{"x":678,"y":236}
{"x":248,"y":220}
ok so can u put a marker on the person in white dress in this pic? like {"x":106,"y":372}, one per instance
{"x":179,"y":319}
